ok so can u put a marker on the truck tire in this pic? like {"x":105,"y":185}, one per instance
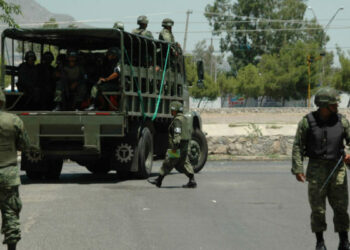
{"x":145,"y":154}
{"x":54,"y":168}
{"x":100,"y":166}
{"x":198,"y":150}
{"x":33,"y":169}
{"x":34,"y":175}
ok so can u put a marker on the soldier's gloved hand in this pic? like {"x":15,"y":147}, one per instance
{"x":301,"y":177}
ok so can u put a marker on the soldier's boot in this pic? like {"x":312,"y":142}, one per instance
{"x":191,"y":182}
{"x":157,"y":181}
{"x":344,"y":241}
{"x":11,"y":246}
{"x":58,"y":107}
{"x":93,"y":106}
{"x":321,"y":246}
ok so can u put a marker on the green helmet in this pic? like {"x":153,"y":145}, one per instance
{"x":30,"y":54}
{"x":167,"y":22}
{"x":326,"y":96}
{"x":114,"y":51}
{"x":48,"y":56}
{"x":2,"y":99}
{"x":176,"y":106}
{"x":142,"y":20}
{"x":118,"y":25}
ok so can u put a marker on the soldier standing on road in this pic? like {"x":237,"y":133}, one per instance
{"x":179,"y":136}
{"x":320,"y":136}
{"x":12,"y":139}
{"x":142,"y":21}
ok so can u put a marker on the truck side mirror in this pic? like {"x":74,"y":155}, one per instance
{"x":200,"y":73}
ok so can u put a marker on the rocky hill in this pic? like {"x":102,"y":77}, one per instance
{"x":33,"y":14}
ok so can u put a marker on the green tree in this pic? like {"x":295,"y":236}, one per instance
{"x":251,"y":28}
{"x":341,"y":79}
{"x":191,"y":71}
{"x":249,"y":82}
{"x":73,"y":26}
{"x":210,"y":91}
{"x":51,"y":24}
{"x":8,"y":11}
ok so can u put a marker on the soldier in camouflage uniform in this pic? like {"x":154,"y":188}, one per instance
{"x":179,"y":137}
{"x":142,"y":21}
{"x":320,"y":136}
{"x":166,"y":34}
{"x":12,"y":139}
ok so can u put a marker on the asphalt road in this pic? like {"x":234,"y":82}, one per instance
{"x":237,"y":205}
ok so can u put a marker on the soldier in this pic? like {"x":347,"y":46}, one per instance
{"x":320,"y":136}
{"x":13,"y":138}
{"x":179,"y":135}
{"x":46,"y":80}
{"x":142,"y":21}
{"x":71,"y":88}
{"x":27,"y":80}
{"x":109,"y":81}
{"x":118,"y":25}
{"x":166,"y":34}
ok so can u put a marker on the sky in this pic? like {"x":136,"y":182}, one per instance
{"x":103,"y":13}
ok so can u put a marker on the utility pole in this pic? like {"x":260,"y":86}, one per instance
{"x":188,"y":13}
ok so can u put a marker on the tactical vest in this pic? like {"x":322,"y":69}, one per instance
{"x":186,"y":130}
{"x":325,"y":140}
{"x":8,"y":151}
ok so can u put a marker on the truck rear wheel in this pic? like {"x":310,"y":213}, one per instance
{"x":34,"y":175}
{"x":100,"y":166}
{"x":198,"y":150}
{"x":145,"y":154}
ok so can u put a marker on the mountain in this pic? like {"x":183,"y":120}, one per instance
{"x":34,"y":15}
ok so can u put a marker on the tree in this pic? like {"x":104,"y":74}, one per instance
{"x":249,"y":82}
{"x":8,"y":10}
{"x":341,"y":79}
{"x":51,"y":24}
{"x":73,"y":26}
{"x":210,"y":91}
{"x":251,"y":28}
{"x":191,"y":70}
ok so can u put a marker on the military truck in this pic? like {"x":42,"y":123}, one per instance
{"x":129,"y":131}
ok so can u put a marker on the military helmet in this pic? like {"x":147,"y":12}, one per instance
{"x":167,"y":22}
{"x":2,"y":99}
{"x":48,"y":56}
{"x":326,"y":96}
{"x":118,"y":25}
{"x":142,"y":20}
{"x":30,"y":54}
{"x":113,"y":51}
{"x":176,"y":106}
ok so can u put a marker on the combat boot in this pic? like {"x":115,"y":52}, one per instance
{"x":158,"y":181}
{"x":92,"y":106}
{"x":344,"y":245}
{"x":58,"y":107}
{"x":191,"y":182}
{"x":321,"y":246}
{"x":11,"y":246}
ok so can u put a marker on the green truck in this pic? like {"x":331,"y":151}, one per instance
{"x":126,"y":135}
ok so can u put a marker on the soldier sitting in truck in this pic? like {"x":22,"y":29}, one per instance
{"x":109,"y":80}
{"x":27,"y":81}
{"x":71,"y":88}
{"x":46,"y":80}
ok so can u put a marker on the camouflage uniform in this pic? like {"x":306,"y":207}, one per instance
{"x":12,"y":138}
{"x":179,"y":137}
{"x":142,"y":31}
{"x":118,"y":25}
{"x":321,"y":165}
{"x":166,"y":34}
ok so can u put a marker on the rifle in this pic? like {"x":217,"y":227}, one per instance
{"x":332,"y":173}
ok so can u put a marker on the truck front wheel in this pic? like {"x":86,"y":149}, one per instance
{"x":198,"y":150}
{"x":100,"y":166}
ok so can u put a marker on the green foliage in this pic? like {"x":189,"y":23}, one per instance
{"x":249,"y":82}
{"x":191,"y":70}
{"x":341,"y":79}
{"x":8,"y":10}
{"x":227,"y":84}
{"x":234,"y":20}
{"x":253,"y":131}
{"x":210,"y":91}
